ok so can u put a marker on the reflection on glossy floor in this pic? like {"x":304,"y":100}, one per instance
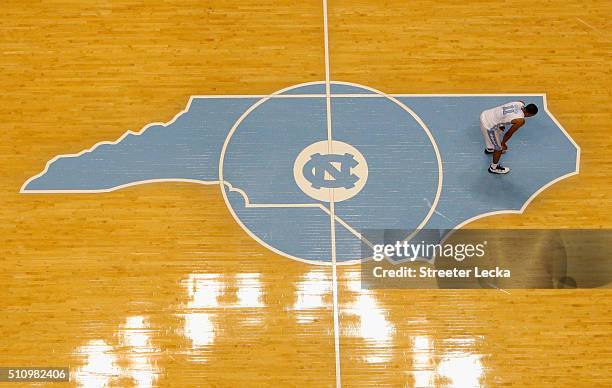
{"x":141,"y":322}
{"x":157,"y":286}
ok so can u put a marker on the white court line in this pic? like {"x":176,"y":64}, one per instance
{"x":247,"y":201}
{"x":539,"y":191}
{"x":249,"y":205}
{"x":332,"y":218}
{"x":499,"y":289}
{"x":435,"y":211}
{"x":114,"y":188}
{"x":93,"y":148}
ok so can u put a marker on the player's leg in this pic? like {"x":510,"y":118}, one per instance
{"x":495,"y":167}
{"x":496,"y":156}
{"x":485,"y":135}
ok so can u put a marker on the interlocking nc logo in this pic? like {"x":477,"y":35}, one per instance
{"x":321,"y":174}
{"x":320,"y":166}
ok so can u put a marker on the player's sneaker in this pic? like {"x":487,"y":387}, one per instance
{"x":489,"y":151}
{"x":499,"y":169}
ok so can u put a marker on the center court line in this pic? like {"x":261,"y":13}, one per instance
{"x":332,"y":217}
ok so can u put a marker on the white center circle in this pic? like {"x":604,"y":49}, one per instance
{"x":257,"y":221}
{"x":325,"y":169}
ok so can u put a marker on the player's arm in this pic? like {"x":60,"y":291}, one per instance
{"x":516,"y":124}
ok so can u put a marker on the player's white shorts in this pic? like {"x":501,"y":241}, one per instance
{"x":491,"y":136}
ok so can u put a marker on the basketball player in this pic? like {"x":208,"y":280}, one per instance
{"x":494,"y":121}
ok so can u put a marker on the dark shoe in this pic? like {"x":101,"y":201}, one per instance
{"x":489,"y":151}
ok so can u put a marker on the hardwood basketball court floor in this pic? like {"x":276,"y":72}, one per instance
{"x":156,"y":285}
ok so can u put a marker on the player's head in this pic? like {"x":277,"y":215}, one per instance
{"x":530,"y":110}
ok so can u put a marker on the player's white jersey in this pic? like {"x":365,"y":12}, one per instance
{"x":502,"y":115}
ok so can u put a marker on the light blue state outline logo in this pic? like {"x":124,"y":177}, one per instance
{"x":401,"y":162}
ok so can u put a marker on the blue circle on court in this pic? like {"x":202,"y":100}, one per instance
{"x":259,"y":158}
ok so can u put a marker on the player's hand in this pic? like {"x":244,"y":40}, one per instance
{"x":504,"y":147}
